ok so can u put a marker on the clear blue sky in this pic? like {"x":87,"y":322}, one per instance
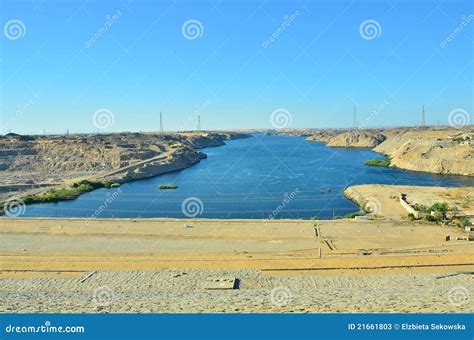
{"x":318,"y":67}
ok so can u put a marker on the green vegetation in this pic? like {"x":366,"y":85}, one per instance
{"x":85,"y":185}
{"x":432,"y":218}
{"x":54,"y":195}
{"x":68,"y":193}
{"x":379,"y":162}
{"x":315,"y":218}
{"x":420,"y":207}
{"x":412,"y":217}
{"x":168,"y":186}
{"x":358,"y":213}
{"x":109,"y":185}
{"x":437,"y":212}
{"x":464,"y":222}
{"x":352,"y":215}
{"x":441,"y":208}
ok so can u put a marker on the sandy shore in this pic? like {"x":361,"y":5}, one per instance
{"x":385,"y":199}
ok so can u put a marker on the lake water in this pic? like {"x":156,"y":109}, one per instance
{"x":258,"y":177}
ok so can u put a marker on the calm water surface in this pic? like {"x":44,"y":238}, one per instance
{"x":282,"y":177}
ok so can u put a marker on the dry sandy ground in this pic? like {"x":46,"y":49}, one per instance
{"x":385,"y":198}
{"x":179,"y":291}
{"x":159,"y":265}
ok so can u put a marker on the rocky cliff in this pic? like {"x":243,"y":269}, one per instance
{"x":430,"y":151}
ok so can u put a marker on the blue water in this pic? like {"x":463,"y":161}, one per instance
{"x":258,"y":177}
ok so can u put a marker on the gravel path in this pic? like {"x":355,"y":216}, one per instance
{"x":169,"y":291}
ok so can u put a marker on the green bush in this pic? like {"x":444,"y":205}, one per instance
{"x":110,"y":184}
{"x":53,"y":195}
{"x":433,"y":218}
{"x":358,"y":213}
{"x":441,"y":208}
{"x":86,"y":185}
{"x":464,"y":222}
{"x":68,"y":193}
{"x":412,"y":217}
{"x":378,"y":162}
{"x":420,"y":207}
{"x":352,"y":215}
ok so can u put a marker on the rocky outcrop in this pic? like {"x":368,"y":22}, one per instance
{"x":428,"y":152}
{"x":212,"y":139}
{"x":349,"y":138}
{"x":357,"y":139}
{"x":174,"y":161}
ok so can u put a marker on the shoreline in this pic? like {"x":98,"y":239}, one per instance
{"x":163,"y":265}
{"x":122,"y":175}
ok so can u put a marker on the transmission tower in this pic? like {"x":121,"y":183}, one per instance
{"x":199,"y":123}
{"x":354,"y":118}
{"x":161,"y":123}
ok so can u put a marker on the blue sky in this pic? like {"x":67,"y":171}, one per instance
{"x":318,"y":66}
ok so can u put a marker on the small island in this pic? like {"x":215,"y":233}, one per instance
{"x":168,"y":186}
{"x":378,"y":162}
